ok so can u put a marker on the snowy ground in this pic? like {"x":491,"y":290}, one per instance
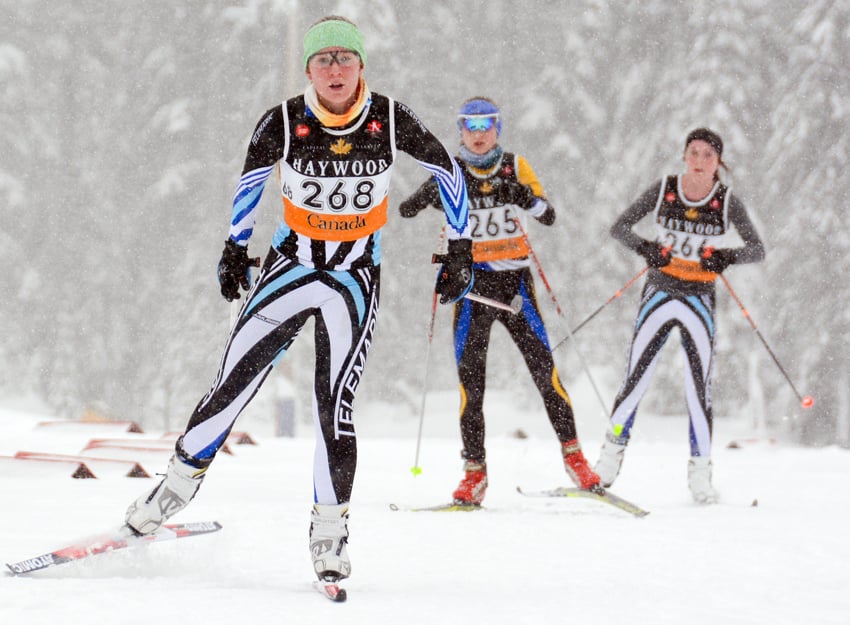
{"x":522,"y":561}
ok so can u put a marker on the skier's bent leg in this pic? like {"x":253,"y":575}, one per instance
{"x":248,"y":358}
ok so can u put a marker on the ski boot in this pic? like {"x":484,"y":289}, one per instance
{"x":577,"y":467}
{"x":699,"y":480}
{"x":473,"y":486}
{"x":328,"y":540}
{"x":182,"y":480}
{"x":610,"y":458}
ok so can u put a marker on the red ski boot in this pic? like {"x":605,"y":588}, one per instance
{"x":473,"y":486}
{"x":577,"y":467}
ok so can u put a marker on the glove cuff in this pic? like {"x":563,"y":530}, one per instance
{"x":460,"y":247}
{"x":538,"y":207}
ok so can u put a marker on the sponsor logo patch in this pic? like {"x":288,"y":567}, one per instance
{"x":341,"y":147}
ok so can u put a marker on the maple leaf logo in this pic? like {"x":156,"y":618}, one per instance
{"x":692,"y":213}
{"x":341,"y":147}
{"x":486,"y":188}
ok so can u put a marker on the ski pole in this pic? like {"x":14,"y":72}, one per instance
{"x":236,"y":304}
{"x":514,"y":307}
{"x":599,"y":310}
{"x":561,"y":314}
{"x":416,"y":469}
{"x":805,"y":401}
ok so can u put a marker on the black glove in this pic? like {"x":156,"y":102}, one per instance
{"x":655,"y":255}
{"x":510,"y":192}
{"x":427,"y":193}
{"x":411,"y":207}
{"x":455,"y":277}
{"x":716,"y":260}
{"x":233,"y":270}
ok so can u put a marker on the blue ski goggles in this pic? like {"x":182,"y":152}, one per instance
{"x":475,"y":123}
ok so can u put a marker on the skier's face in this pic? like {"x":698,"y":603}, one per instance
{"x":479,"y":141}
{"x":335,"y":73}
{"x":702,"y":159}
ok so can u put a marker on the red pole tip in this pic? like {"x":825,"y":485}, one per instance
{"x":808,"y":401}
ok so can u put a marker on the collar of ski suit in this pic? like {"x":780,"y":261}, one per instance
{"x":332,"y":120}
{"x":481,"y":161}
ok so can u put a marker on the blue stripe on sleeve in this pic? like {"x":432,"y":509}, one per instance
{"x":452,"y":193}
{"x":245,"y":200}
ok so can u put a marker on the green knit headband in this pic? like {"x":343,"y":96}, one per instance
{"x":333,"y":34}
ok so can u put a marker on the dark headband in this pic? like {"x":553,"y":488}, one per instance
{"x":709,"y":136}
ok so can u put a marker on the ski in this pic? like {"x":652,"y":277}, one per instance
{"x":600,"y":495}
{"x":122,"y":538}
{"x":330,"y":589}
{"x":443,"y":507}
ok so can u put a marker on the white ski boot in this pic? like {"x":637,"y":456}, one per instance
{"x":699,"y":480}
{"x":171,"y":495}
{"x":328,"y":540}
{"x":610,"y":458}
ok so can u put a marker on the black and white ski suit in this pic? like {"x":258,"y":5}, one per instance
{"x":324,"y":263}
{"x":680,"y":295}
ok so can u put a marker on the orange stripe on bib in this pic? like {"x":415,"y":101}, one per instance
{"x":499,"y":249}
{"x":688,"y":270}
{"x":332,"y":227}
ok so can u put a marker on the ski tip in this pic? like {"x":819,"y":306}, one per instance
{"x":331,"y":590}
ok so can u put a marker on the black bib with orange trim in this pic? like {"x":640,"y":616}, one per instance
{"x":687,"y":228}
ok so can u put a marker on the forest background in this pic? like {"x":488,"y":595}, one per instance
{"x":123,"y":129}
